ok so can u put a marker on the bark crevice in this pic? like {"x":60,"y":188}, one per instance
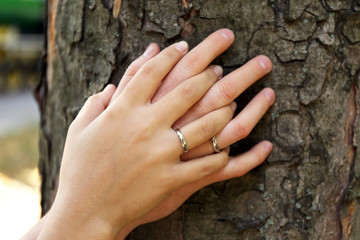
{"x":309,"y":187}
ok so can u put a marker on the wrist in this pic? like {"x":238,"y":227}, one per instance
{"x":68,"y":223}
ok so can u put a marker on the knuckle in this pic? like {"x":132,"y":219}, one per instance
{"x":149,"y":67}
{"x":146,"y":130}
{"x":207,"y":129}
{"x":113,"y":114}
{"x":227,"y":90}
{"x":93,"y":99}
{"x":169,"y":181}
{"x":215,"y":165}
{"x":209,"y":102}
{"x":193,"y":62}
{"x":132,"y":69}
{"x":187,"y":90}
{"x":174,"y":177}
{"x":207,"y":170}
{"x":172,"y":53}
{"x":242,"y":129}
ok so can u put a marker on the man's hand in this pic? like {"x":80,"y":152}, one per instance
{"x":221,"y":94}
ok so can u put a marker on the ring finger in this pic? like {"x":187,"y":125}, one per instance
{"x":240,"y":126}
{"x":228,"y":88}
{"x":202,"y":129}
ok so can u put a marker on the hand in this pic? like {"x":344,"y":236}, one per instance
{"x":221,"y":93}
{"x":189,"y":66}
{"x":121,"y":160}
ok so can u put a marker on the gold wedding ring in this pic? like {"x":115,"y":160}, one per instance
{"x":215,"y":144}
{"x":182,"y":140}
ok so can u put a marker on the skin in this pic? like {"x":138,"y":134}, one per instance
{"x":208,"y":111}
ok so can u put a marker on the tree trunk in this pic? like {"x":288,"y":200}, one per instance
{"x":309,"y":187}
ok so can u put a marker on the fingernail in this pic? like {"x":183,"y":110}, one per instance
{"x":182,"y":46}
{"x":218,"y":70}
{"x":233,"y":106}
{"x":149,"y":50}
{"x":268,"y":146}
{"x":269,"y":94}
{"x":227,"y":34}
{"x":265,"y":63}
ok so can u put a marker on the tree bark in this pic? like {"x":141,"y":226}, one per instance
{"x":309,"y":187}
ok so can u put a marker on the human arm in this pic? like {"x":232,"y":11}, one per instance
{"x":238,"y":165}
{"x":121,"y":160}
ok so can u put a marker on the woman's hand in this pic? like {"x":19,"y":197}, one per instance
{"x":221,"y":93}
{"x":121,"y":160}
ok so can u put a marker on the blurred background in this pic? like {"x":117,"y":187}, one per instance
{"x":21,"y":45}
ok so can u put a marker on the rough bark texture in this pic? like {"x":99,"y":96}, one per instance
{"x":309,"y":187}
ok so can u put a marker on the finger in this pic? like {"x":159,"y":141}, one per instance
{"x":151,"y":51}
{"x":236,"y":167}
{"x":196,"y":60}
{"x":197,"y":169}
{"x":243,"y":163}
{"x":179,"y":100}
{"x":147,"y":79}
{"x":94,"y":106}
{"x":228,"y":88}
{"x":203,"y":129}
{"x":240,"y":127}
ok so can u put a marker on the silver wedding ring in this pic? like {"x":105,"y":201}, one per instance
{"x":182,"y":140}
{"x":215,"y":144}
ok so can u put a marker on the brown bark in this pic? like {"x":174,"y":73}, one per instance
{"x":309,"y":187}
